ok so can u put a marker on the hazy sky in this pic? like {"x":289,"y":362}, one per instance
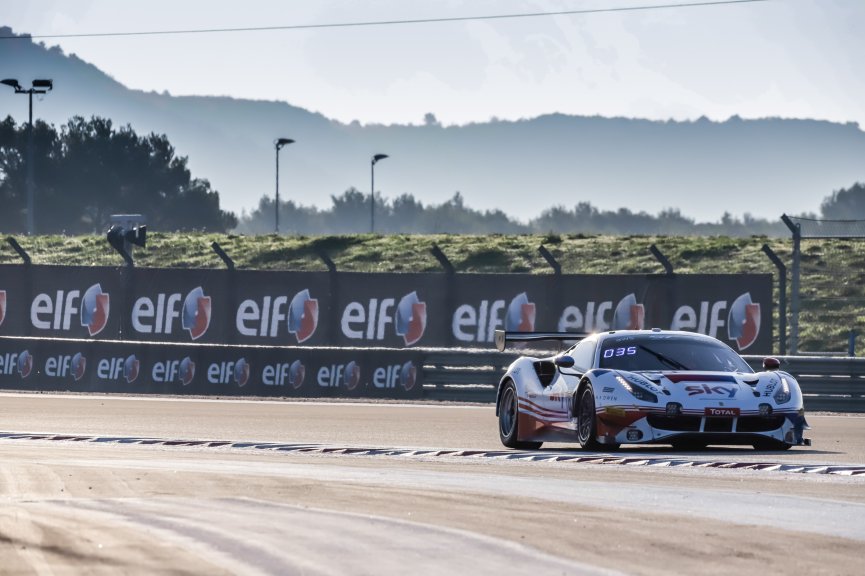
{"x":789,"y":58}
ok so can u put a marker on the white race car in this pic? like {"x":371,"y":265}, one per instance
{"x":645,"y":387}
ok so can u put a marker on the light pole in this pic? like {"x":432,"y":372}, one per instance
{"x":39,"y":87}
{"x":372,"y":163}
{"x":279,"y":143}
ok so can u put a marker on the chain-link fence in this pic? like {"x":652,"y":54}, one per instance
{"x":827,"y":299}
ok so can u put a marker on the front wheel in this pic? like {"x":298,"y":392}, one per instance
{"x":509,"y":420}
{"x":587,"y":423}
{"x":770,"y":445}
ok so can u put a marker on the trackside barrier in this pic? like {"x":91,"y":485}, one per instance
{"x":831,"y":384}
{"x":443,"y":374}
{"x":53,"y":364}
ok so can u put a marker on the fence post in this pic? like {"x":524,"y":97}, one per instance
{"x":662,"y":259}
{"x":782,"y":299}
{"x":796,"y":230}
{"x":551,"y":260}
{"x":851,"y":342}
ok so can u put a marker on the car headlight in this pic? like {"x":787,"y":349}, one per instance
{"x":637,"y":392}
{"x":782,"y":395}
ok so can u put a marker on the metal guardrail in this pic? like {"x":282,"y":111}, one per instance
{"x":471,"y":375}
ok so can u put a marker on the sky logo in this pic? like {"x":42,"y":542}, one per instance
{"x":303,"y":316}
{"x":25,"y":364}
{"x":196,"y":313}
{"x":95,"y":308}
{"x":410,"y":318}
{"x":743,"y":321}
{"x":521,"y":314}
{"x":629,"y":314}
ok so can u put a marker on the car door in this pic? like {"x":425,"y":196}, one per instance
{"x":557,"y":397}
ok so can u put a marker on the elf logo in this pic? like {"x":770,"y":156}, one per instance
{"x":404,"y":375}
{"x":339,"y":375}
{"x":743,"y":321}
{"x":149,"y":317}
{"x":369,"y":322}
{"x":182,"y":371}
{"x":285,"y":373}
{"x":56,"y":313}
{"x":2,"y":306}
{"x":629,"y":314}
{"x":228,"y":372}
{"x":264,"y":319}
{"x":22,"y":363}
{"x":114,"y":368}
{"x":63,"y":366}
{"x":478,"y":324}
{"x":25,"y":364}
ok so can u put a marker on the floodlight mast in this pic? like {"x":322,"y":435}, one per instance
{"x":38,"y":86}
{"x":372,"y":164}
{"x":278,"y":144}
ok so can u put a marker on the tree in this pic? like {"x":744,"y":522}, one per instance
{"x":845,"y":204}
{"x":91,"y":170}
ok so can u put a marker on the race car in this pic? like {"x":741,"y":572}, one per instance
{"x":645,"y":387}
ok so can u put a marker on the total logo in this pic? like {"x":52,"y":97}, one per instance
{"x":65,"y":366}
{"x":595,"y":316}
{"x":742,"y":319}
{"x":149,"y":317}
{"x":409,"y":319}
{"x":479,"y":323}
{"x":291,"y":373}
{"x":2,"y":306}
{"x":236,"y":372}
{"x":21,"y":363}
{"x":182,"y":371}
{"x":56,"y":313}
{"x":265,"y":318}
{"x":115,"y":368}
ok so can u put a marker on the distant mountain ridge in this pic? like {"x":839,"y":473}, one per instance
{"x":762,"y":167}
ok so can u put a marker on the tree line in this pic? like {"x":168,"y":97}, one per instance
{"x":89,"y":169}
{"x":350,"y":213}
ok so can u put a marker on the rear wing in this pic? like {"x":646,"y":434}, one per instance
{"x":502,"y":337}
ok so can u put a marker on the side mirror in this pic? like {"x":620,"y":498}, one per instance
{"x":564,"y":361}
{"x":771,"y":363}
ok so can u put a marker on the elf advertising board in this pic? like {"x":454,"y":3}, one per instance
{"x":313,"y":309}
{"x":180,"y":369}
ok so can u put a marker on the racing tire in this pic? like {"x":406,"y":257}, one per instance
{"x":509,"y":420}
{"x":770,"y":445}
{"x":587,"y":422}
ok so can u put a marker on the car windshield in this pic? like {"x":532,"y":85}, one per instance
{"x":664,"y":352}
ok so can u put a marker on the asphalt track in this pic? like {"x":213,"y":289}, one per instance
{"x":90,"y":485}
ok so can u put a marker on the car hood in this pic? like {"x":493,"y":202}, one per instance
{"x":695,"y":389}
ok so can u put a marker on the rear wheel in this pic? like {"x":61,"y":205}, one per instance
{"x":509,"y":419}
{"x":587,"y":423}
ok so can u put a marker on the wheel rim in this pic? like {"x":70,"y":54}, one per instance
{"x":586,"y":415}
{"x":508,"y":413}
